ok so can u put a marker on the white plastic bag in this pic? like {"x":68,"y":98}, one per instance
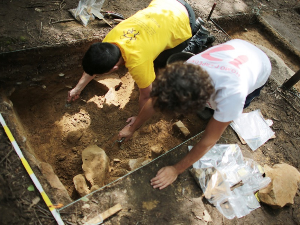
{"x":83,"y":12}
{"x":228,"y":180}
{"x":253,"y":128}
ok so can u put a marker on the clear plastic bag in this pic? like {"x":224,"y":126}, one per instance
{"x":253,"y":128}
{"x":212,"y":183}
{"x":228,"y":180}
{"x":83,"y":12}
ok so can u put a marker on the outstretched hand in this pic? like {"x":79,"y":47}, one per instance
{"x":164,"y":177}
{"x":73,"y":95}
{"x":125,"y":133}
{"x":130,"y":120}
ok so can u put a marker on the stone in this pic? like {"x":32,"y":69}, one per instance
{"x":74,"y":136}
{"x":137,"y":163}
{"x":95,"y":165}
{"x":61,"y":194}
{"x":119,"y":173}
{"x":146,"y":129}
{"x":94,"y":188}
{"x":283,"y":187}
{"x":81,"y":185}
{"x":156,"y":150}
{"x":182,"y":128}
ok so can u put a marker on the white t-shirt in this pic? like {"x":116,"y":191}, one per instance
{"x":236,"y":68}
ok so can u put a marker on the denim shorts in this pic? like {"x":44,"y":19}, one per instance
{"x":252,"y":95}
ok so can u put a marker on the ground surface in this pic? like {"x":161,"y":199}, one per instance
{"x":47,"y":120}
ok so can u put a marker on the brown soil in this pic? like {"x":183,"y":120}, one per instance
{"x":38,"y":94}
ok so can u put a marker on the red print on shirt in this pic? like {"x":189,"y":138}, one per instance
{"x":236,"y":62}
{"x":239,"y":60}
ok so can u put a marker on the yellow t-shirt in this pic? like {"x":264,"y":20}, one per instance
{"x":143,"y":36}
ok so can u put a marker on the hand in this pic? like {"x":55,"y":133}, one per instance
{"x":125,"y":133}
{"x":130,"y":120}
{"x":73,"y":95}
{"x":164,"y":177}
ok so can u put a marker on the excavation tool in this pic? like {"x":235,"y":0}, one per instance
{"x":113,"y":15}
{"x":113,"y":140}
{"x":211,"y":11}
{"x":119,"y":141}
{"x":99,"y":16}
{"x":68,"y":104}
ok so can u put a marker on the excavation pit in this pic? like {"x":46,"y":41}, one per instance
{"x":49,"y":130}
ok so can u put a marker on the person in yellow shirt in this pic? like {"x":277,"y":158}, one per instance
{"x":143,"y":43}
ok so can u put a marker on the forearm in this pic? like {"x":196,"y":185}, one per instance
{"x":145,"y":113}
{"x":211,"y":135}
{"x":84,"y":80}
{"x":196,"y":153}
{"x":142,"y":102}
{"x":144,"y":96}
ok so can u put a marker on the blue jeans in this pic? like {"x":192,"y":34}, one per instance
{"x":252,"y":95}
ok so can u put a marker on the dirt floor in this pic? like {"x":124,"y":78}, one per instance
{"x":56,"y":132}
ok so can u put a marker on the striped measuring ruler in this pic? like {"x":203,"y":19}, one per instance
{"x":36,"y":182}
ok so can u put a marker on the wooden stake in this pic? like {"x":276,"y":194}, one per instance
{"x":100,"y":218}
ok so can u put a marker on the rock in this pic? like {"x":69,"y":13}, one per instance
{"x":61,"y":193}
{"x":74,"y":136}
{"x":136,"y":163}
{"x":156,"y":150}
{"x":283,"y":187}
{"x":94,"y":188}
{"x":118,"y":173}
{"x":146,"y":130}
{"x":95,"y":164}
{"x":86,"y":206}
{"x":182,"y":128}
{"x":81,"y":185}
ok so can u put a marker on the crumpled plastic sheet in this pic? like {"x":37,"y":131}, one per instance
{"x":83,"y":11}
{"x":229,"y":181}
{"x":253,"y":128}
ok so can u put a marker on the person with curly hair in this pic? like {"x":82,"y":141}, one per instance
{"x":224,"y":78}
{"x":142,"y":43}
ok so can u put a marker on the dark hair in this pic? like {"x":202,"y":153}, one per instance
{"x":100,"y":58}
{"x":182,"y":88}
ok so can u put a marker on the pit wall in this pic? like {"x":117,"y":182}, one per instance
{"x":43,"y":171}
{"x":19,"y":70}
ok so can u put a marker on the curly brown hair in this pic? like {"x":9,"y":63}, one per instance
{"x":182,"y":87}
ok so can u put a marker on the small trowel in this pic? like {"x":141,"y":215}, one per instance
{"x":99,"y":16}
{"x":119,"y":141}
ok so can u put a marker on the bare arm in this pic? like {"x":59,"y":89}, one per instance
{"x":167,"y":175}
{"x":75,"y":92}
{"x":146,"y":112}
{"x":144,"y":97}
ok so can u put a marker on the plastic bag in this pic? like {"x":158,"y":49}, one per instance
{"x":228,"y":180}
{"x":253,"y":128}
{"x":212,"y":183}
{"x":83,"y":12}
